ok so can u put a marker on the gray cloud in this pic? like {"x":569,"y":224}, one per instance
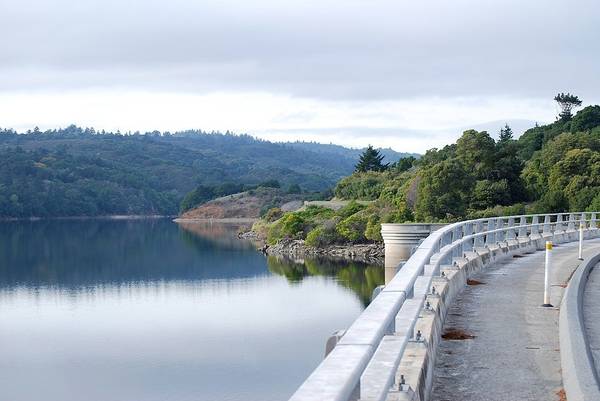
{"x":335,"y":49}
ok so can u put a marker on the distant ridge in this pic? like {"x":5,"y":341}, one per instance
{"x":77,"y":171}
{"x":390,"y":154}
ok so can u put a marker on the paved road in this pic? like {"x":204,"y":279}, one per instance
{"x":591,"y":313}
{"x":515,"y":353}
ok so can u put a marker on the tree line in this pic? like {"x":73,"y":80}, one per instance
{"x":82,"y":172}
{"x":550,"y":168}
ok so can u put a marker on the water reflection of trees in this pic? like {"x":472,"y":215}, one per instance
{"x":219,"y":234}
{"x":359,"y":277}
{"x":90,"y":252}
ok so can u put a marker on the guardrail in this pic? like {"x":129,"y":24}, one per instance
{"x":364,"y":362}
{"x":579,"y":374}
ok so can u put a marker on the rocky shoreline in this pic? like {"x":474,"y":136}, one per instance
{"x":366,"y":253}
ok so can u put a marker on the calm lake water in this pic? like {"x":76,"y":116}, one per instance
{"x":145,"y":310}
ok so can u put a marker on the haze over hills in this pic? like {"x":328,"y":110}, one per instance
{"x":80,"y":172}
{"x":390,"y":154}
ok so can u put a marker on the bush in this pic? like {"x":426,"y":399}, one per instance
{"x":273,"y":214}
{"x":360,"y":186}
{"x":512,"y":210}
{"x":322,"y":235}
{"x":350,"y":209}
{"x":488,"y":193}
{"x":314,"y":212}
{"x":261,"y":228}
{"x":291,"y":225}
{"x":373,"y":230}
{"x":595,"y":205}
{"x":353,"y":228}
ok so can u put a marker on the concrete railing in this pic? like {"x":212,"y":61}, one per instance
{"x":408,"y":312}
{"x":578,"y":371}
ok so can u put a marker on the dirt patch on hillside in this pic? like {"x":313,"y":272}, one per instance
{"x":246,"y":205}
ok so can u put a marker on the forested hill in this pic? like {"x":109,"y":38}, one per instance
{"x":81,"y":172}
{"x":554,"y":167}
{"x":550,"y":168}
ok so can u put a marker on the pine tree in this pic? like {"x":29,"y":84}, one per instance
{"x":567,"y":103}
{"x":370,"y":160}
{"x":506,"y":134}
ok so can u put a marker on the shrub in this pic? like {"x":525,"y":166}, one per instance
{"x":322,"y":235}
{"x":291,"y":225}
{"x":315,"y":212}
{"x":350,"y":209}
{"x":360,"y":186}
{"x":512,"y":210}
{"x":373,"y":229}
{"x":273,"y":214}
{"x":353,"y":228}
{"x":488,"y":193}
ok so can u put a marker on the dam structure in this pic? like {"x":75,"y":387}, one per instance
{"x":401,"y":348}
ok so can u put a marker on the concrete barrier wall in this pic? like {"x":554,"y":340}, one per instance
{"x":579,"y":374}
{"x":389,"y":351}
{"x":418,"y":362}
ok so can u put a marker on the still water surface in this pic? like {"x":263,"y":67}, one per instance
{"x":146,"y":310}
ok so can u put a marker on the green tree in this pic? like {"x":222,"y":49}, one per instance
{"x":476,"y":151}
{"x":370,"y":160}
{"x":488,"y":193}
{"x":404,"y":164}
{"x":360,"y":186}
{"x":587,"y":119}
{"x":506,"y":134}
{"x":443,"y":191}
{"x":577,"y":176}
{"x":567,"y":103}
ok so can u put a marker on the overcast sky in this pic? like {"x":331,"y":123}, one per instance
{"x":405,"y":74}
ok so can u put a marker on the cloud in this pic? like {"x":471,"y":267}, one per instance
{"x":349,"y":49}
{"x":410,"y":74}
{"x":406,"y":125}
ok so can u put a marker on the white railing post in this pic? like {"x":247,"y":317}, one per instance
{"x":510,"y":234}
{"x":547,"y":225}
{"x":558,"y":228}
{"x":535,"y":227}
{"x":500,"y":235}
{"x":468,"y":231}
{"x":547,"y":274}
{"x":490,"y":237}
{"x":479,"y":240}
{"x":523,"y":227}
{"x":571,"y":225}
{"x":581,"y":227}
{"x":593,"y":221}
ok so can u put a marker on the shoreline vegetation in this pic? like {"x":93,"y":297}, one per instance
{"x":364,"y":253}
{"x":225,"y":220}
{"x":554,"y":167}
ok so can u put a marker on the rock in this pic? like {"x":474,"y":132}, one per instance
{"x":251,"y":235}
{"x":369,"y":253}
